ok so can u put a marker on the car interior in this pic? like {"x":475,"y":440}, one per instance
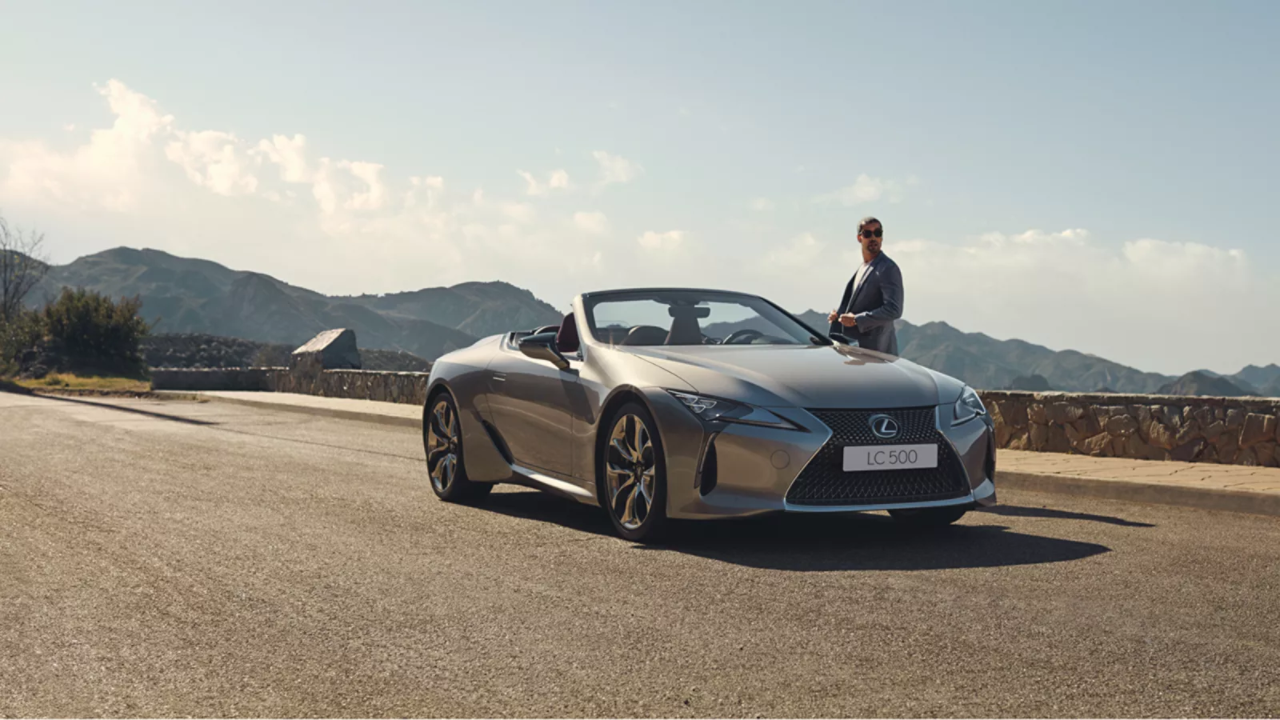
{"x":685,"y":329}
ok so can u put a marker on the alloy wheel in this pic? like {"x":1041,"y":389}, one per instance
{"x":630,"y":472}
{"x":442,"y":445}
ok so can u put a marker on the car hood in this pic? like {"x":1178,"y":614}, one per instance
{"x":804,"y":376}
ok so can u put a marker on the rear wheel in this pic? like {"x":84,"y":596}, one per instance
{"x":442,"y":438}
{"x":929,"y":517}
{"x":633,"y":472}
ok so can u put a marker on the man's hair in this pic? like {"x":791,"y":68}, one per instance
{"x":868,"y":219}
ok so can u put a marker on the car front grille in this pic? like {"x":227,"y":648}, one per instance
{"x":824,"y":481}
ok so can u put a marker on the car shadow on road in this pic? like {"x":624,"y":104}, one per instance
{"x":818,"y":543}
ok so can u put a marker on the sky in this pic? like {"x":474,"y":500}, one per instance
{"x":1099,"y":176}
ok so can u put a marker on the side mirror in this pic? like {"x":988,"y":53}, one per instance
{"x":542,"y":346}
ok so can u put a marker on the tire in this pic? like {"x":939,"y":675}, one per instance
{"x":929,"y":517}
{"x":633,"y":474}
{"x":446,"y":463}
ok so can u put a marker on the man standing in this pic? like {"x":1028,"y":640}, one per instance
{"x":873,"y":298}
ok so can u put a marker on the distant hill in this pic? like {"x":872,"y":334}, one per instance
{"x":185,"y":295}
{"x":1199,"y":383}
{"x":984,"y":362}
{"x":1258,"y":377}
{"x":1264,"y":381}
{"x":1030,"y":383}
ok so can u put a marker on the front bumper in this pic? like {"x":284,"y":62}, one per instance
{"x":741,"y":470}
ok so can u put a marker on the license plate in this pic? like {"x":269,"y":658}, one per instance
{"x":889,"y":457}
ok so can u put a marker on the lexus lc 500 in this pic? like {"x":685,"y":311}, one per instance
{"x":699,"y":404}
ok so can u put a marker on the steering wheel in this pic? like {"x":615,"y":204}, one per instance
{"x":746,"y":333}
{"x":645,"y":335}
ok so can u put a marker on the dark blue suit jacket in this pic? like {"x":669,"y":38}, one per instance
{"x":876,"y":304}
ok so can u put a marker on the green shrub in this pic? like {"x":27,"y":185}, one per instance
{"x":90,"y":331}
{"x":19,"y":337}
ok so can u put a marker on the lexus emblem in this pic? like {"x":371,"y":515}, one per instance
{"x":884,"y":426}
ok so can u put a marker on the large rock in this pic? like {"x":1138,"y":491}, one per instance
{"x":1097,"y":444}
{"x":1246,"y":457}
{"x":1214,"y":430}
{"x":1121,"y":425}
{"x":1187,"y":451}
{"x":1256,"y":429}
{"x":335,"y":350}
{"x":1062,"y":413}
{"x":1190,"y":430}
{"x":1159,"y":435}
{"x":1039,"y":436}
{"x":1036,"y":414}
{"x":1266,"y":453}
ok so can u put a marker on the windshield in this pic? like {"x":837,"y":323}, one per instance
{"x":692,"y":317}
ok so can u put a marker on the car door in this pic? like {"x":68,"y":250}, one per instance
{"x":530,"y":402}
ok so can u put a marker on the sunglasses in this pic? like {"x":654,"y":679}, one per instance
{"x":868,"y":234}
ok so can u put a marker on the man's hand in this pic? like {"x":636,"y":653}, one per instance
{"x":848,"y":320}
{"x":831,"y":316}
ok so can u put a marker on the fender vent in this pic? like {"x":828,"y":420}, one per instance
{"x":498,"y":442}
{"x":710,"y":469}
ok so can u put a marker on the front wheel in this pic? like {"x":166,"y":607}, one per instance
{"x":929,"y":517}
{"x":634,"y":477}
{"x":442,"y":438}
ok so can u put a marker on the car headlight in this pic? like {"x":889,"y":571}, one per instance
{"x":968,"y":406}
{"x":721,"y":410}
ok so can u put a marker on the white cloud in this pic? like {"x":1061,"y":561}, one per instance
{"x":215,"y":160}
{"x":1142,"y":301}
{"x":423,"y":191}
{"x":592,"y":223}
{"x":374,"y":195}
{"x":866,"y":189}
{"x":556,"y":180}
{"x":107,"y":172}
{"x":523,"y":213}
{"x":614,"y":168}
{"x":325,"y":188}
{"x":661,"y":241}
{"x":343,"y":225}
{"x":800,"y":252}
{"x":290,"y":154}
{"x":762,"y":204}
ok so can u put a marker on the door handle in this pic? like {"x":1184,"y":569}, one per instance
{"x":500,"y":377}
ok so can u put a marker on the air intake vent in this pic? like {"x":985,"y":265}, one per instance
{"x":710,"y":469}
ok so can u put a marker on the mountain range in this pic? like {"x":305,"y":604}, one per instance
{"x":186,"y":295}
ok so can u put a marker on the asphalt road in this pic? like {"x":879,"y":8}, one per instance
{"x":173,"y":558}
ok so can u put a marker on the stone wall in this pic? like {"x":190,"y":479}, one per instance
{"x":398,"y":387}
{"x":212,"y":378}
{"x":323,"y":366}
{"x":1240,"y":431}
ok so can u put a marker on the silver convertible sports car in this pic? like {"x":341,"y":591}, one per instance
{"x":683,"y":403}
